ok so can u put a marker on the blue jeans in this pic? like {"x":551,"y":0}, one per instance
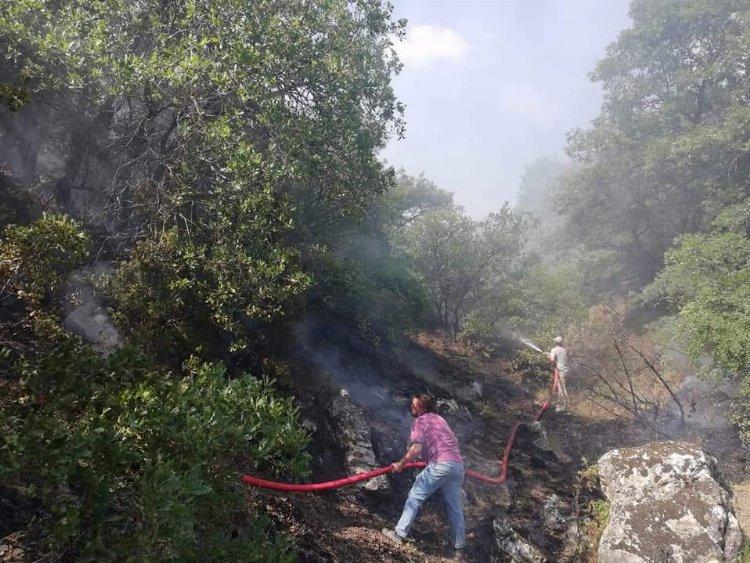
{"x":448,"y":476}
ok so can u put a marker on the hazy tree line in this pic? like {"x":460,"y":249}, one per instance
{"x":661,"y":197}
{"x":223,"y":159}
{"x":653,"y":205}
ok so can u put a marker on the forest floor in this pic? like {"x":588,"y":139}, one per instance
{"x":345,"y":525}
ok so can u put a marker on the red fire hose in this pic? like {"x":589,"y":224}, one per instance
{"x":365,"y":475}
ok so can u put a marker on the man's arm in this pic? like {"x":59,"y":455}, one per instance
{"x":414,"y":451}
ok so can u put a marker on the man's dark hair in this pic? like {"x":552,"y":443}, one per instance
{"x":427,"y":401}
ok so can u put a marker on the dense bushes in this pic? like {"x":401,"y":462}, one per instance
{"x":706,"y":282}
{"x":113,"y":456}
{"x":34,"y":259}
{"x":707,"y":279}
{"x":210,"y":144}
{"x":127,"y":462}
{"x":176,"y":294}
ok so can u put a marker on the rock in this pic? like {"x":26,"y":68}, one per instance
{"x":668,"y":503}
{"x":541,"y":439}
{"x":477,"y":387}
{"x":353,"y":433}
{"x":554,"y":512}
{"x":308,"y":425}
{"x":513,"y":544}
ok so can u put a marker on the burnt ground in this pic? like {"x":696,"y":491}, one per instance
{"x":345,"y":525}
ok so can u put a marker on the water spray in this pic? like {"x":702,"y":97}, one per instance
{"x":531,"y":345}
{"x":527,"y":342}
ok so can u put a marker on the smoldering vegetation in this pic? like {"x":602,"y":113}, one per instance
{"x":192,"y":206}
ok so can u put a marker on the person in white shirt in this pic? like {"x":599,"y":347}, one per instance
{"x":558,"y":357}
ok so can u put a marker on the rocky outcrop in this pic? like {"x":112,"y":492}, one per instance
{"x":513,"y":544}
{"x":555,"y":514}
{"x":668,"y":503}
{"x":353,"y":433}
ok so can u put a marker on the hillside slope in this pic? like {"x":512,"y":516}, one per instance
{"x":551,"y":498}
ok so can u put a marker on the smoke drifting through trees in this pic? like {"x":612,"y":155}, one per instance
{"x":214,"y":152}
{"x":656,"y":199}
{"x":224,"y":157}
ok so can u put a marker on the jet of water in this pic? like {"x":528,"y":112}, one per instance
{"x":531,"y":345}
{"x":526,"y":341}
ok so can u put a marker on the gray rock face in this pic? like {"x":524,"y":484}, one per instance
{"x":354,"y":434}
{"x":554,"y":514}
{"x":541,"y":439}
{"x":668,"y":503}
{"x":513,"y":544}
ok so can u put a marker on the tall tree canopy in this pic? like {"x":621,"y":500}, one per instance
{"x":213,"y":150}
{"x":669,"y":148}
{"x":661,"y":195}
{"x":213,"y":136}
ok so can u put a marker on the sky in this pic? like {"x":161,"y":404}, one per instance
{"x":490,"y":86}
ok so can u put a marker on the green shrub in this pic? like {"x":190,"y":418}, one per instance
{"x":530,"y":364}
{"x":13,"y":97}
{"x":745,"y":555}
{"x":369,"y":287}
{"x":35,"y":259}
{"x":211,"y":291}
{"x":599,"y":511}
{"x":131,"y":463}
{"x":590,"y":509}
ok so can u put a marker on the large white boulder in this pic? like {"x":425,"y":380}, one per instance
{"x":668,"y":503}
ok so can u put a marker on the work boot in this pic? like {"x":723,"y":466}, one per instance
{"x":392,"y":535}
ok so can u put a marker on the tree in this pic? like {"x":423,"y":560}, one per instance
{"x":213,"y":145}
{"x":706,"y":281}
{"x":210,"y":149}
{"x":459,"y":259}
{"x":302,"y":87}
{"x":362,"y":276}
{"x":409,"y":199}
{"x":669,"y":149}
{"x":706,"y":286}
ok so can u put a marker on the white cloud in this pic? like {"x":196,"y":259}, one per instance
{"x":426,"y":44}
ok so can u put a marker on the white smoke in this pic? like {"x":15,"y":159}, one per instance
{"x":86,"y":316}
